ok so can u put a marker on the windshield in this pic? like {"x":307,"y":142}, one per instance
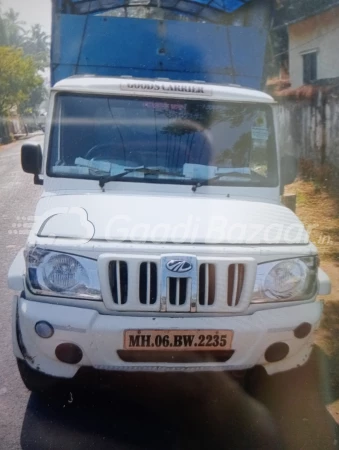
{"x":184,"y":140}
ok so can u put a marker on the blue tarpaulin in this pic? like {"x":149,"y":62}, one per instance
{"x":188,"y":6}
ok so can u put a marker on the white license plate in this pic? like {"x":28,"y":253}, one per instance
{"x":178,"y":340}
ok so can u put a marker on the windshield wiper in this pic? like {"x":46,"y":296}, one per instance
{"x":142,"y":169}
{"x":207,"y":181}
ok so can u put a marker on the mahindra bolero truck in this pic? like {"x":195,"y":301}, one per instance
{"x":160,"y":242}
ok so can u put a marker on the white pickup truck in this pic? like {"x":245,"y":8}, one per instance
{"x":160,"y":242}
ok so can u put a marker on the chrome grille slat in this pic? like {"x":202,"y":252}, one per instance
{"x":148,"y":283}
{"x":177,"y":292}
{"x":206,"y":284}
{"x":235,"y":285}
{"x":118,"y":280}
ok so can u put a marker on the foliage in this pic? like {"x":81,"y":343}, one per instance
{"x":36,"y":97}
{"x":37,"y":45}
{"x":279,"y":51}
{"x":18,"y":79}
{"x":34,"y":41}
{"x":318,"y":209}
{"x":291,"y":10}
{"x":323,"y":176}
{"x":23,"y":53}
{"x":12,"y":29}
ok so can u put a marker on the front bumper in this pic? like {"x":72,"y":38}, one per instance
{"x":100,"y":337}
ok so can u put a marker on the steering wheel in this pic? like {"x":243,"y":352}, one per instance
{"x":106,"y":152}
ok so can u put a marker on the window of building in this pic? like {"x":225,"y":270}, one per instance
{"x":309,"y":67}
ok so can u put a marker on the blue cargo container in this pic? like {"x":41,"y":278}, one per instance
{"x":213,"y":41}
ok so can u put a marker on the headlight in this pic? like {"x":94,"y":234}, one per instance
{"x":290,"y":279}
{"x":62,"y":275}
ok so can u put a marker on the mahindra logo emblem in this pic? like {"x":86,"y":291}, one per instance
{"x":179,"y":266}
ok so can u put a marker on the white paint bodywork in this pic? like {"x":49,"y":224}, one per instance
{"x":215,"y":224}
{"x":132,"y":86}
{"x":183,"y":218}
{"x":100,"y":336}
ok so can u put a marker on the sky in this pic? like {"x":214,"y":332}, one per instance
{"x":31,"y":11}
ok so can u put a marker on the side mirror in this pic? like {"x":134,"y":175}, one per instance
{"x":288,"y":170}
{"x":31,"y":160}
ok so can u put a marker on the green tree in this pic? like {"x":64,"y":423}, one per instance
{"x":34,"y":42}
{"x":18,"y":79}
{"x":3,"y":35}
{"x":36,"y":97}
{"x":37,"y":45}
{"x":12,"y":29}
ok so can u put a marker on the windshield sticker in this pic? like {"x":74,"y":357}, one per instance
{"x":165,"y":106}
{"x":260,"y":129}
{"x":260,"y":134}
{"x":260,"y":120}
{"x":199,"y":171}
{"x":167,"y":87}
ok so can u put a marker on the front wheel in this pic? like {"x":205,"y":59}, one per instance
{"x":36,"y":381}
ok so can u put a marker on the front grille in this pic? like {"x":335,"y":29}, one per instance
{"x":206,"y":284}
{"x":177,"y":291}
{"x":153,"y":284}
{"x":118,"y":280}
{"x":148,"y":283}
{"x":235,"y":283}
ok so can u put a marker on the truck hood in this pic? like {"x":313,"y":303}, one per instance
{"x":170,"y":219}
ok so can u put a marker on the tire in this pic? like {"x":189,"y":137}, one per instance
{"x":36,"y":381}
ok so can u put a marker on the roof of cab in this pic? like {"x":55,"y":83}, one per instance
{"x":159,"y":87}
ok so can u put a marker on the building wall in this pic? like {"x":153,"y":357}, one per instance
{"x":305,"y":125}
{"x":320,"y":33}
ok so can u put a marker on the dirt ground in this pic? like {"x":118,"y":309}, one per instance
{"x":318,"y":208}
{"x":327,"y":339}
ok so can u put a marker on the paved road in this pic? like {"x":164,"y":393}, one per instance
{"x":18,"y":196}
{"x":181,"y":412}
